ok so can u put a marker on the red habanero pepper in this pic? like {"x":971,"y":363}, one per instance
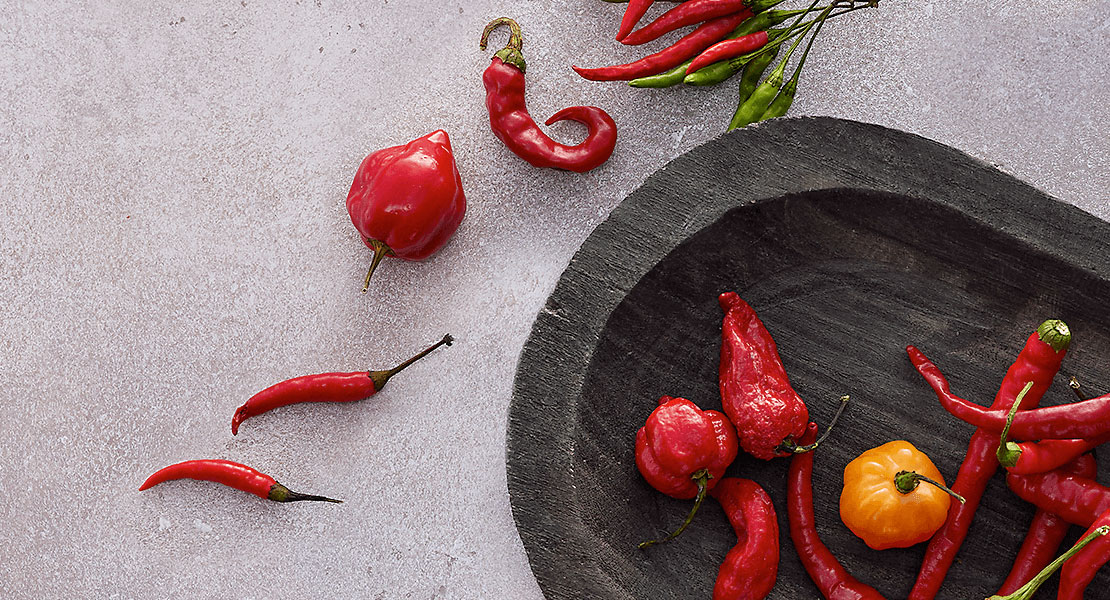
{"x":232,"y":474}
{"x":1080,"y":569}
{"x":727,"y":49}
{"x":689,"y":46}
{"x":1038,"y":361}
{"x":751,"y":567}
{"x":683,"y":451}
{"x":1046,"y":533}
{"x":407,"y":201}
{"x":323,"y":387}
{"x":511,"y":123}
{"x":831,"y":578}
{"x":1078,"y":500}
{"x":635,"y":11}
{"x":687,"y":13}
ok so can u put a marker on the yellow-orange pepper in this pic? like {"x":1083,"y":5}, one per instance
{"x":882,"y":501}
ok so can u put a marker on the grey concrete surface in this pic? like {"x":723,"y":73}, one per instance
{"x":174,"y":239}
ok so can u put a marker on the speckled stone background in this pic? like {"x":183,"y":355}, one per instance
{"x":174,"y":239}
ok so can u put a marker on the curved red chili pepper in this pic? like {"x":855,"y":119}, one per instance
{"x":727,"y":49}
{"x":1038,"y":361}
{"x":1046,"y":532}
{"x":231,"y":474}
{"x":1078,"y":500}
{"x":672,"y":56}
{"x":511,"y":123}
{"x":1045,"y":455}
{"x":323,"y":387}
{"x":687,"y":13}
{"x":751,"y":567}
{"x":1079,"y":570}
{"x":635,"y":11}
{"x":831,"y":578}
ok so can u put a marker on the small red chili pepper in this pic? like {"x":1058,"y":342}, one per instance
{"x":1080,"y":569}
{"x":232,"y":474}
{"x":690,"y":45}
{"x":831,"y":578}
{"x":687,"y":13}
{"x":1046,"y":532}
{"x":407,"y":201}
{"x":323,"y":387}
{"x":727,"y":49}
{"x":1078,"y":500}
{"x":683,"y":451}
{"x":1038,"y":361}
{"x":635,"y":11}
{"x":511,"y":123}
{"x":751,"y":567}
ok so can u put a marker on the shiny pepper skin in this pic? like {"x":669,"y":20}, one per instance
{"x":407,"y":201}
{"x":678,"y":440}
{"x":750,"y":569}
{"x":874,"y":508}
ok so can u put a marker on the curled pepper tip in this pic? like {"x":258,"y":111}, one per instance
{"x":1055,"y":333}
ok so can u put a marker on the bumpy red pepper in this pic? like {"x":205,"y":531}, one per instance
{"x":407,"y":201}
{"x":511,"y":123}
{"x":752,"y":565}
{"x":755,"y":391}
{"x":683,"y":451}
{"x":232,"y":474}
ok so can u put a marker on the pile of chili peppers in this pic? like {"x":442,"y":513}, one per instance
{"x":728,"y":37}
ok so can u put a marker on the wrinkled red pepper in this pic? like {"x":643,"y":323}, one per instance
{"x":751,"y":567}
{"x":683,"y":451}
{"x":406,"y":201}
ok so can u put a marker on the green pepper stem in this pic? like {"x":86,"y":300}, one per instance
{"x":787,"y":446}
{"x":381,"y":377}
{"x":1008,"y":452}
{"x":381,"y":250}
{"x":907,"y":481}
{"x":701,"y":479}
{"x":1055,"y":333}
{"x":512,"y":52}
{"x":280,"y":493}
{"x":1026,"y":591}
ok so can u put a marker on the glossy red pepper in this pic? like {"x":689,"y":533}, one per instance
{"x":511,"y":123}
{"x":687,"y":47}
{"x":635,"y":11}
{"x":755,"y":389}
{"x":1078,"y":500}
{"x":1027,"y":591}
{"x":683,"y":451}
{"x":727,"y":49}
{"x":1038,"y":361}
{"x":830,"y":577}
{"x":687,"y":13}
{"x":232,"y":474}
{"x":1079,"y":570}
{"x":751,"y":567}
{"x":323,"y":387}
{"x":407,"y":201}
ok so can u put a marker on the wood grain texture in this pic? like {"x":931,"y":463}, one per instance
{"x":851,"y":241}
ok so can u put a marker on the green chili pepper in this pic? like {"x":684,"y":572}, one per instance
{"x":753,"y":72}
{"x":753,"y":108}
{"x":781,"y":104}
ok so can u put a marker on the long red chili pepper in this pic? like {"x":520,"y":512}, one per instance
{"x":1046,"y":455}
{"x":323,"y":387}
{"x":727,"y":49}
{"x":687,"y":13}
{"x":1080,"y":569}
{"x":831,"y":578}
{"x":751,"y":567}
{"x":687,"y":47}
{"x":1078,"y":500}
{"x":1038,"y":361}
{"x":232,"y":474}
{"x":1046,"y":532}
{"x":511,"y":123}
{"x":635,"y":11}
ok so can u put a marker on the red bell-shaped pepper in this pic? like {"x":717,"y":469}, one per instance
{"x":683,"y":451}
{"x":406,"y":201}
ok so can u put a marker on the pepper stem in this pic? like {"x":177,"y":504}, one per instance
{"x":1026,"y":591}
{"x":381,"y":377}
{"x":280,"y":493}
{"x":1055,"y":333}
{"x":701,"y":479}
{"x":381,"y":250}
{"x":512,"y":52}
{"x":789,"y":447}
{"x":1073,"y":383}
{"x":1008,"y":452}
{"x":907,"y":481}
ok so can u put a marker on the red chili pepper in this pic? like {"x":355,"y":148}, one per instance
{"x":1046,"y":532}
{"x":1078,"y":500}
{"x":755,"y":389}
{"x":683,"y":451}
{"x":1080,"y":569}
{"x":635,"y":11}
{"x":687,"y":47}
{"x":407,"y":201}
{"x":1038,"y":361}
{"x":831,"y":578}
{"x":511,"y":123}
{"x":1046,"y":455}
{"x":752,"y":565}
{"x":323,"y":387}
{"x":687,"y":13}
{"x":1027,"y":591}
{"x":727,"y":49}
{"x":232,"y":474}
